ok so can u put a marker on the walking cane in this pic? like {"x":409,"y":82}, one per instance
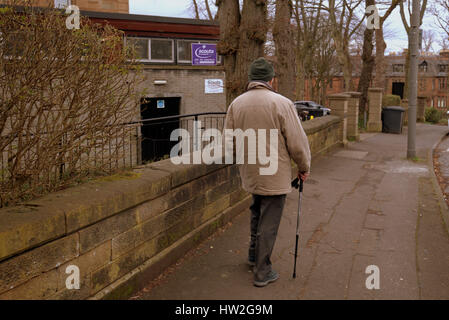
{"x":296,"y":186}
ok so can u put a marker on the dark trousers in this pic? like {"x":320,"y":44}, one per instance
{"x":266,"y":212}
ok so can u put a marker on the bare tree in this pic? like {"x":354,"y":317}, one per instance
{"x":202,"y":9}
{"x":428,"y":39}
{"x":64,"y":95}
{"x":440,"y":10}
{"x":368,"y":60}
{"x":242,"y":38}
{"x":405,"y":17}
{"x":379,"y":79}
{"x":345,"y":23}
{"x":285,"y":58}
{"x":195,"y":8}
{"x":444,"y":43}
{"x":308,"y":16}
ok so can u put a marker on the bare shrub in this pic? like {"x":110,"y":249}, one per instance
{"x":64,"y":97}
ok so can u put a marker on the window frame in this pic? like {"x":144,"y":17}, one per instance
{"x":423,"y":67}
{"x":143,"y":38}
{"x":443,"y":68}
{"x":177,"y":51}
{"x":158,"y":60}
{"x":60,"y":6}
{"x":396,"y":65}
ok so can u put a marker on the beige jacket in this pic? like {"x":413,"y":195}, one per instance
{"x":261,"y":108}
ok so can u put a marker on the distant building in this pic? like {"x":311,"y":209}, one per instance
{"x":433,"y":82}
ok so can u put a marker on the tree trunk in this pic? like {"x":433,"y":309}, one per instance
{"x":300,"y":75}
{"x":367,"y":67}
{"x":282,"y":36}
{"x":406,"y":70}
{"x":253,"y":32}
{"x":195,"y":6}
{"x":344,"y":59}
{"x":379,"y":79}
{"x":229,"y":19}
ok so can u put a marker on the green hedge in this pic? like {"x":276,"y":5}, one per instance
{"x":433,"y":115}
{"x":391,"y":100}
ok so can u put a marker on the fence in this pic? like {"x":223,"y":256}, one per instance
{"x":34,"y":164}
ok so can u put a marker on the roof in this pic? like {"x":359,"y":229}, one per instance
{"x":433,"y":65}
{"x":146,"y":18}
{"x":155,"y":26}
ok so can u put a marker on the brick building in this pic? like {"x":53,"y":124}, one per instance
{"x":173,"y":85}
{"x":163,"y":45}
{"x":433,"y":82}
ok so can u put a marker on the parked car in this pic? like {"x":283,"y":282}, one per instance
{"x":306,"y":109}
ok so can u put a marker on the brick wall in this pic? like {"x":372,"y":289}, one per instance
{"x":123,"y":231}
{"x":117,"y":6}
{"x":189,"y":84}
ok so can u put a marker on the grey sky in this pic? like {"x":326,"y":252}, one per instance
{"x":180,"y":8}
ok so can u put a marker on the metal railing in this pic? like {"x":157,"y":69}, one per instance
{"x":154,"y":138}
{"x":120,"y":146}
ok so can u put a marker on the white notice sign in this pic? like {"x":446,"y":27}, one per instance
{"x":213,"y":86}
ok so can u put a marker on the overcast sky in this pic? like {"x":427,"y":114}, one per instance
{"x":180,"y":8}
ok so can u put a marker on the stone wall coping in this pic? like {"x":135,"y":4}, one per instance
{"x":354,"y":94}
{"x":376,"y":89}
{"x":317,"y":124}
{"x":64,"y":212}
{"x":339,"y":96}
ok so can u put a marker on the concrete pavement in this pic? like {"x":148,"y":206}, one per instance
{"x":363,"y":205}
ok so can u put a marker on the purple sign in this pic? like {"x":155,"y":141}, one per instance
{"x":204,"y":54}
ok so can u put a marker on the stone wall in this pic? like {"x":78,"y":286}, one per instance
{"x":124,"y":230}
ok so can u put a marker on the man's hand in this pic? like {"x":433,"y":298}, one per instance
{"x":303,"y":175}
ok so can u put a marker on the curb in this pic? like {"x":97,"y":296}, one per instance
{"x":444,"y":209}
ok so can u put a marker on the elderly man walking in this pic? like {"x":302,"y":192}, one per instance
{"x":262,"y":108}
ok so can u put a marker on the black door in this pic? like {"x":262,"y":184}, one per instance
{"x":156,"y":134}
{"x":398,"y":89}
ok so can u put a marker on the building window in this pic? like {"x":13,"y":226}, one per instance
{"x":331,"y":84}
{"x":140,"y":46}
{"x":442,"y":83}
{"x":398,"y":68}
{"x":184,"y":51}
{"x":153,"y":50}
{"x":443,"y":67}
{"x":61,"y":4}
{"x":422,"y":84}
{"x":161,"y":50}
{"x":423,"y":67}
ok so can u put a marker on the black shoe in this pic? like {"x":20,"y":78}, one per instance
{"x":272,"y":277}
